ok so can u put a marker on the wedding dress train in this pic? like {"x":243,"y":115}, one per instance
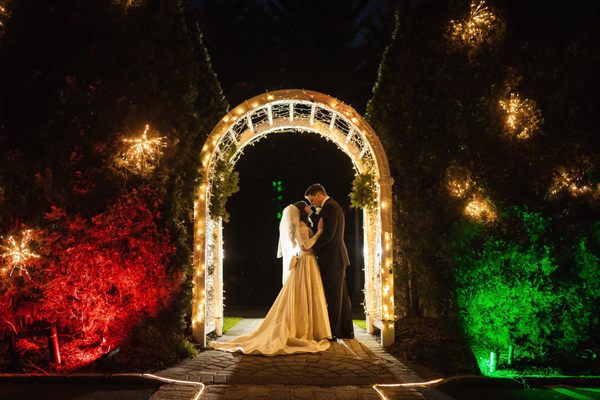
{"x":297,"y":321}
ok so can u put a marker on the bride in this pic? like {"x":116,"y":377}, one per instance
{"x":298,"y":321}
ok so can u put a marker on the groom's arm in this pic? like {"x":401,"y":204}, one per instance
{"x":329,"y":226}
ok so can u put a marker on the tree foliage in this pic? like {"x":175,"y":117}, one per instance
{"x":511,"y":290}
{"x":437,"y":108}
{"x":97,"y":278}
{"x":75,"y":78}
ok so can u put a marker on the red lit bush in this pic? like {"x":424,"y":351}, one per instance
{"x":100,"y":277}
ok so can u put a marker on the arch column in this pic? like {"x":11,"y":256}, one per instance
{"x":387,"y":261}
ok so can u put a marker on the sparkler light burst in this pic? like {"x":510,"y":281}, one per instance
{"x":481,"y":209}
{"x":458,"y":182}
{"x":3,"y":16}
{"x":523,"y":117}
{"x":481,"y":26}
{"x":141,"y":154}
{"x":128,"y":3}
{"x":573,"y":183}
{"x":17,"y":253}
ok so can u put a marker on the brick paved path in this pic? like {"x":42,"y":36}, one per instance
{"x":347,"y":370}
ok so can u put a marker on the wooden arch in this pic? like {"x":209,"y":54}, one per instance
{"x":307,"y":111}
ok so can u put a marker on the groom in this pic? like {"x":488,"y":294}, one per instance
{"x":333,"y":261}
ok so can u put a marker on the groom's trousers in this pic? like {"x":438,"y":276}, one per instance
{"x":339,"y":307}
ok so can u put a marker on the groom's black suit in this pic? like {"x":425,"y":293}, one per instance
{"x":333,"y":261}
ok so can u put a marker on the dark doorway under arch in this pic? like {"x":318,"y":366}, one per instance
{"x":274,"y":172}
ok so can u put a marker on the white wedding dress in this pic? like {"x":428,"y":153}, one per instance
{"x":298,"y":321}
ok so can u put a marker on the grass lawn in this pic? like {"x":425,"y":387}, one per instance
{"x":361,"y":323}
{"x":229,"y":322}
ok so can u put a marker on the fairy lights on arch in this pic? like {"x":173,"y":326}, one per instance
{"x":298,"y":111}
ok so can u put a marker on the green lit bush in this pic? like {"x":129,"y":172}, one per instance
{"x":514,"y":287}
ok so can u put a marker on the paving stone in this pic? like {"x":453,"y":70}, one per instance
{"x":345,"y":371}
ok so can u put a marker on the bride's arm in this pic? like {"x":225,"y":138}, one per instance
{"x":307,"y":241}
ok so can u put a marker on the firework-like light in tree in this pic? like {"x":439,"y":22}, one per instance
{"x":3,"y":16}
{"x":573,"y":183}
{"x":17,"y":253}
{"x":481,"y":209}
{"x":481,"y":26}
{"x":128,"y":3}
{"x":458,"y":182}
{"x":523,"y":117}
{"x":141,"y":154}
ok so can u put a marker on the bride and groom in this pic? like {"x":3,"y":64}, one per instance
{"x":313,"y":305}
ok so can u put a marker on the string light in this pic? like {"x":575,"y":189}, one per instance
{"x":523,"y":117}
{"x":141,"y":153}
{"x":572,"y":182}
{"x":479,"y":208}
{"x":17,"y":253}
{"x":481,"y":26}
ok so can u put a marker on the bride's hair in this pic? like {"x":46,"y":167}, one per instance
{"x":301,"y":205}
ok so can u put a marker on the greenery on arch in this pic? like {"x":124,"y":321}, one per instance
{"x":225,"y":184}
{"x":364,"y":191}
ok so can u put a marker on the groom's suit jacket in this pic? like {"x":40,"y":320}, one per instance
{"x":330,"y":247}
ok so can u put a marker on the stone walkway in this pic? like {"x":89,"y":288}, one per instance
{"x":347,"y":370}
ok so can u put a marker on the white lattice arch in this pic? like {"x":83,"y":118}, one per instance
{"x":304,"y":111}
